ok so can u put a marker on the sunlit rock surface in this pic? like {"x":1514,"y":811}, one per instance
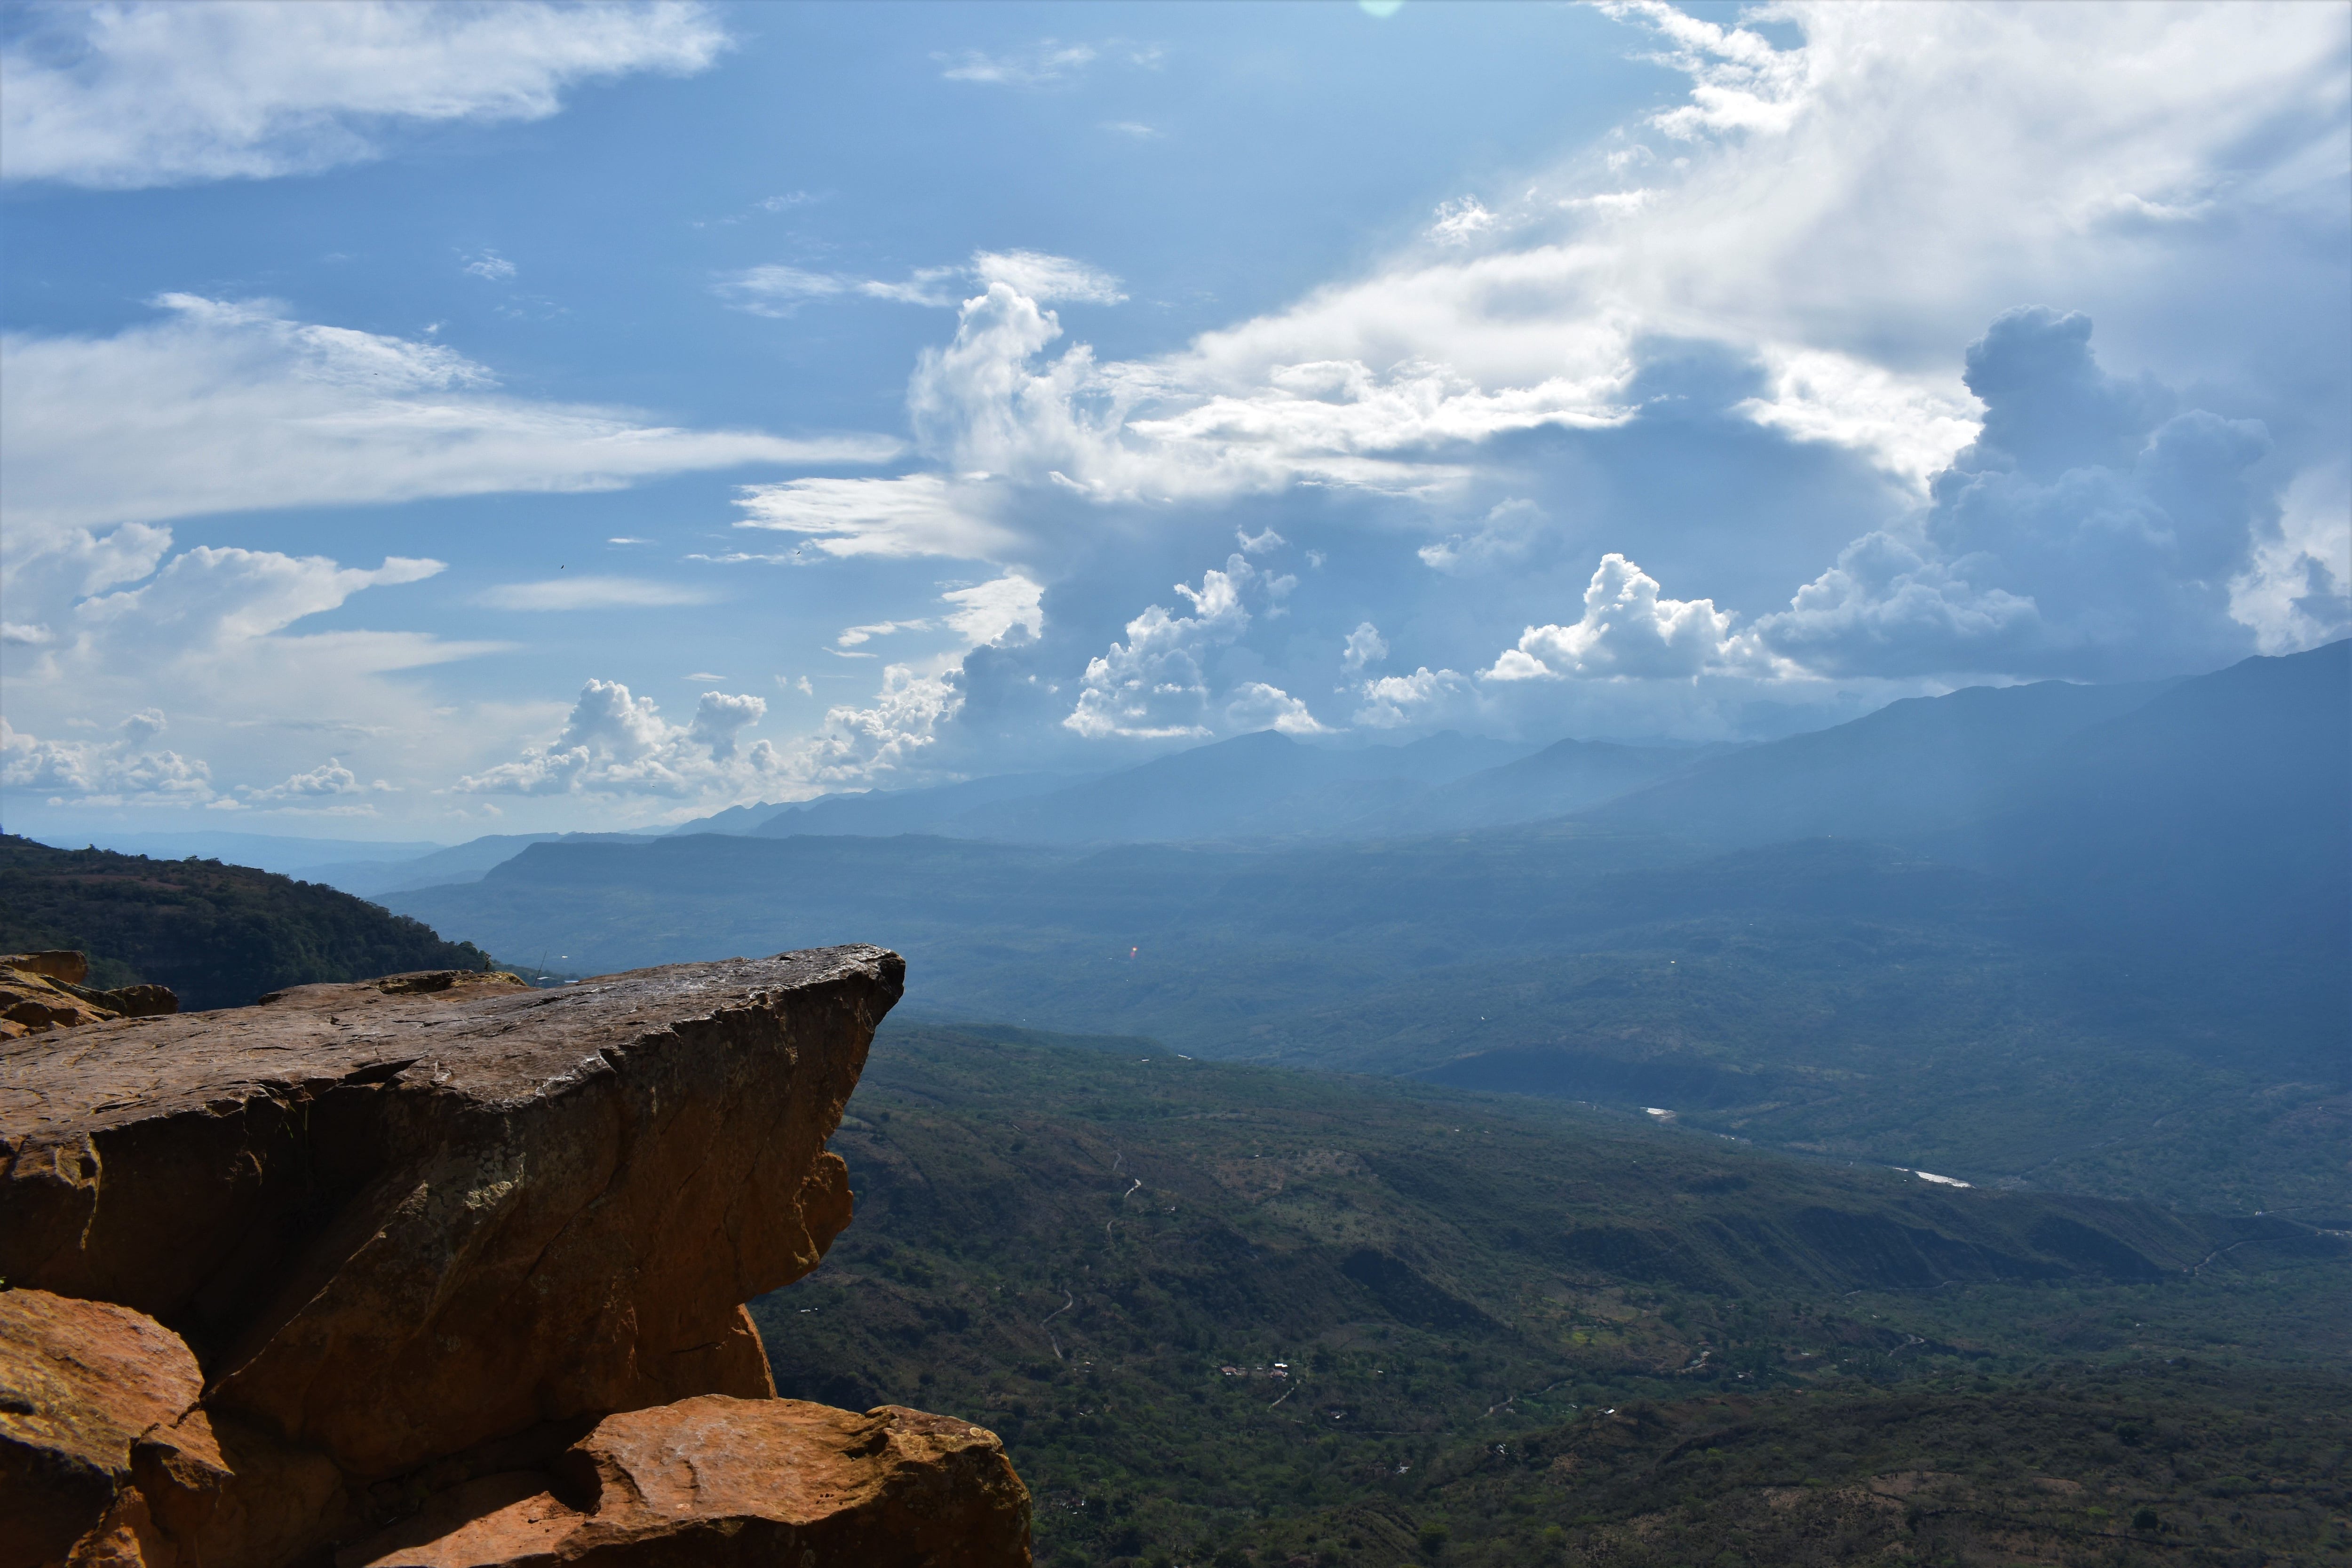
{"x":423,"y":1232}
{"x":728,"y":1481}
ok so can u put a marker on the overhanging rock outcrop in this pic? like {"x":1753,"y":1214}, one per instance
{"x":428,"y":1230}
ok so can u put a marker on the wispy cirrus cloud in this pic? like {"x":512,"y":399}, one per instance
{"x":1042,"y":64}
{"x":780,"y":290}
{"x":918,"y":514}
{"x":852,"y":637}
{"x":588,"y":592}
{"x":222,"y":405}
{"x":219,"y":405}
{"x":130,"y":95}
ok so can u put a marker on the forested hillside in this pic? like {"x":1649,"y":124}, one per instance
{"x":1212,"y":1307}
{"x":218,"y":935}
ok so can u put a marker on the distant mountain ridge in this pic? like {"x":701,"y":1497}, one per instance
{"x":1914,"y":949}
{"x":2239,"y":778}
{"x":1564,"y":777}
{"x":881,"y":812}
{"x":463,"y":862}
{"x":1264,"y":785}
{"x":1914,"y":766}
{"x":267,"y":851}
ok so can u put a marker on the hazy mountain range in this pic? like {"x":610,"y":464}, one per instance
{"x":2084,"y":946}
{"x":2072,"y":934}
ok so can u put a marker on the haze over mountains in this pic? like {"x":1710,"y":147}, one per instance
{"x":2083,"y":946}
{"x":2087,"y":935}
{"x":2011,"y":931}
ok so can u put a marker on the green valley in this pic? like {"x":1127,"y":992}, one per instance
{"x":1220,"y":1309}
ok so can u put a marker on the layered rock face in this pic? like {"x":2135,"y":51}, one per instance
{"x":443,"y":1244}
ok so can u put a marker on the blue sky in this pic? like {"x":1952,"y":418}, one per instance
{"x":431,"y":420}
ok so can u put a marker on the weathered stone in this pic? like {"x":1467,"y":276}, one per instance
{"x":44,"y":991}
{"x":32,"y":1002}
{"x":61,"y":963}
{"x":718,"y":1482}
{"x":125,"y":1537}
{"x":137,"y":1001}
{"x":80,"y":1381}
{"x":398,"y":1219}
{"x":225,"y":1492}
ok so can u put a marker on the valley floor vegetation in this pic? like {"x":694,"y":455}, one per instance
{"x":1229,"y":1315}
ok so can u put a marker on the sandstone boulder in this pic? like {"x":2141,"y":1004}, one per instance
{"x":720,"y":1482}
{"x":80,"y":1382}
{"x":399,"y":1219}
{"x":44,"y":991}
{"x":61,"y":963}
{"x":446,"y":1249}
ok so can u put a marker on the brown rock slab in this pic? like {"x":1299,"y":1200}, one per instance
{"x":719,"y":1482}
{"x":40,"y":991}
{"x":225,"y":1492}
{"x":80,"y":1381}
{"x":399,"y":1219}
{"x":125,"y":1537}
{"x":60,"y":964}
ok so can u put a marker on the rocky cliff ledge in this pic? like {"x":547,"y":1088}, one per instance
{"x":443,"y":1269}
{"x":44,"y":991}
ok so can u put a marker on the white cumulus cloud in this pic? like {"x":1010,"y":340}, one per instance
{"x":858,"y":745}
{"x":993,"y":611}
{"x":329,"y":781}
{"x":1836,"y":213}
{"x":615,"y":744}
{"x":1254,"y":705}
{"x":216,"y":634}
{"x":1628,"y":629}
{"x":1504,"y":534}
{"x":1394,"y":702}
{"x":105,"y":773}
{"x":1365,"y":646}
{"x":1460,"y":221}
{"x":1151,"y":687}
{"x":2296,"y":590}
{"x":2094,"y":529}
